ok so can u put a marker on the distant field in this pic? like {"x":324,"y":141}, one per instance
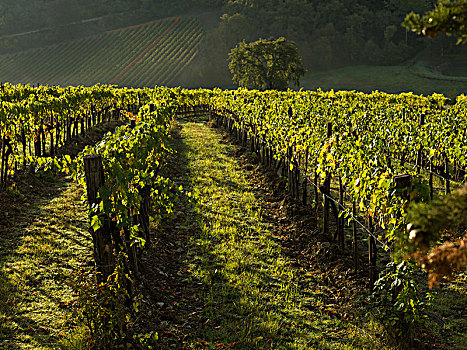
{"x":149,"y":54}
{"x":392,"y":79}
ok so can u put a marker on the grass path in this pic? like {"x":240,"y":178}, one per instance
{"x":254,"y":295}
{"x":45,"y":241}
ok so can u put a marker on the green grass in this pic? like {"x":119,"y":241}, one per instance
{"x":449,"y":305}
{"x":391,"y":79}
{"x":451,"y":68}
{"x":257,"y":293}
{"x":255,"y":298}
{"x":43,"y":244}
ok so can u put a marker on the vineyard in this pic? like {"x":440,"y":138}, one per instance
{"x":353,"y":161}
{"x":150,"y":54}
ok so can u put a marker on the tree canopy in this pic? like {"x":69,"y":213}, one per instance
{"x":430,"y":223}
{"x":448,"y":17}
{"x":266,"y":64}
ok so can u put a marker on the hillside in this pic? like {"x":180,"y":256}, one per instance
{"x":153,"y":53}
{"x":82,"y":49}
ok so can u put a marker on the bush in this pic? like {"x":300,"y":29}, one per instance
{"x":107,"y":311}
{"x":397,"y":303}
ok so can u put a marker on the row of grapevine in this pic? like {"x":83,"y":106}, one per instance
{"x":36,"y":122}
{"x":130,"y":158}
{"x":164,"y":62}
{"x":153,"y":53}
{"x":126,"y":164}
{"x":123,"y":181}
{"x":364,"y":156}
{"x":364,"y":140}
{"x":359,"y":144}
{"x":378,"y":151}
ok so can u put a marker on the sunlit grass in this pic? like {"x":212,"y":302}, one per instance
{"x":37,"y":258}
{"x":253,"y":298}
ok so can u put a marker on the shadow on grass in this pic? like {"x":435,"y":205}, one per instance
{"x":26,"y":250}
{"x":217,"y":275}
{"x":43,"y":238}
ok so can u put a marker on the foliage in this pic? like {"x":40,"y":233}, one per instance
{"x":428,"y":223}
{"x":397,"y":302}
{"x":365,"y":127}
{"x":284,"y":120}
{"x":107,"y":310}
{"x":266,"y":64}
{"x":131,"y":159}
{"x":329,"y":34}
{"x":448,"y":17}
{"x":368,"y":130}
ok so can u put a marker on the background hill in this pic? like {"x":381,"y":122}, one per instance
{"x":357,"y":45}
{"x":152,"y":53}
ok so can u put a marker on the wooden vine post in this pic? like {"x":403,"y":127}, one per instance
{"x":430,"y":181}
{"x":327,"y":191}
{"x":402,"y":156}
{"x":297,"y":164}
{"x":421,"y":121}
{"x":372,"y":253}
{"x":68,"y":128}
{"x":245,"y":135}
{"x":102,"y":238}
{"x":447,"y":185}
{"x":37,"y":142}
{"x":23,"y":143}
{"x":7,"y":150}
{"x":51,"y":132}
{"x":289,"y":170}
{"x":316,"y":195}
{"x":354,"y":235}
{"x":3,"y":161}
{"x":304,"y":184}
{"x":340,"y":219}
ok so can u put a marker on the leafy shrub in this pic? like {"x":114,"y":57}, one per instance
{"x":397,"y":303}
{"x":107,"y":310}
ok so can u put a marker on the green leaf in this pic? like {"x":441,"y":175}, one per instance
{"x":96,"y":223}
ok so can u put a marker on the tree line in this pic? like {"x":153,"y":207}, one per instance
{"x":328,"y":33}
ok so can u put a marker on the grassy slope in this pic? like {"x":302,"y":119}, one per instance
{"x":392,"y":79}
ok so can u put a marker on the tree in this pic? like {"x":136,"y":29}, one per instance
{"x":448,"y":17}
{"x":429,"y":222}
{"x":266,"y":64}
